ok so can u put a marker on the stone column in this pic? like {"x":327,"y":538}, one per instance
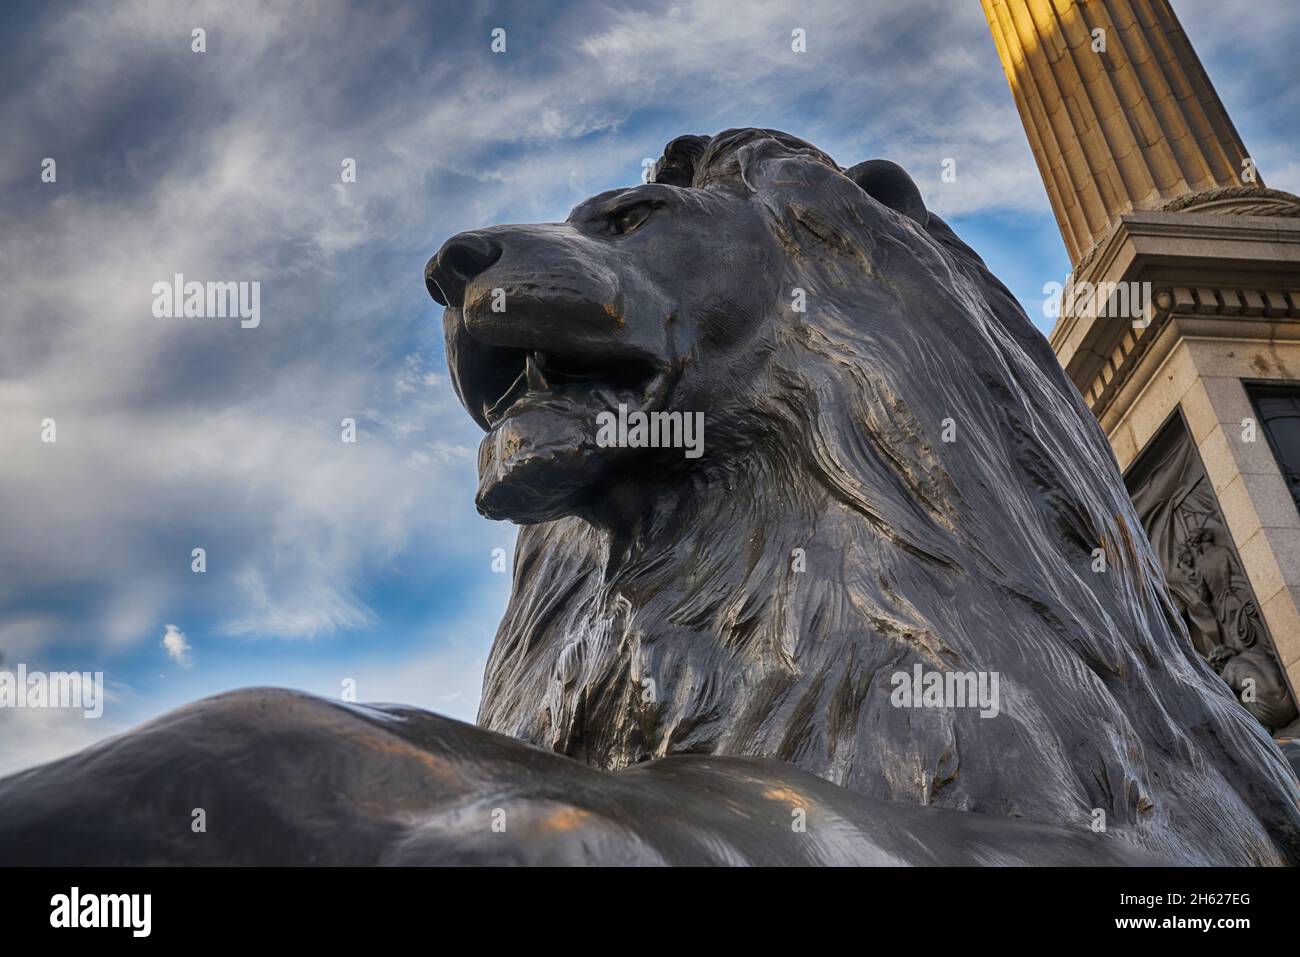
{"x":1119,"y":112}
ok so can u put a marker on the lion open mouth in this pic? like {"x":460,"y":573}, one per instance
{"x":540,"y":410}
{"x":504,"y":381}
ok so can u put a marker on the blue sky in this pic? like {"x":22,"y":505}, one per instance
{"x":330,"y":561}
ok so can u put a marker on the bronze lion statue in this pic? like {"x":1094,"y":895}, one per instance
{"x":846,"y":471}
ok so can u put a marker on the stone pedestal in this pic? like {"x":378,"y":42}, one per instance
{"x":1161,"y":208}
{"x":1223,"y":319}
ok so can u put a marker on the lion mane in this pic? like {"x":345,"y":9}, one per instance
{"x":766,"y":605}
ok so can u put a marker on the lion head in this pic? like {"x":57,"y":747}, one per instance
{"x":895,"y":473}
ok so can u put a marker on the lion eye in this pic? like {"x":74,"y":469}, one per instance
{"x":624,"y":221}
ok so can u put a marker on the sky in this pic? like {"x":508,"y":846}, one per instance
{"x":332,"y":562}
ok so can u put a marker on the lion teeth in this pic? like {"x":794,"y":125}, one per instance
{"x":497,"y":409}
{"x":533,"y":371}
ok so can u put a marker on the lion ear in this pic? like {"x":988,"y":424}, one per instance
{"x":677,"y":166}
{"x":888,"y":184}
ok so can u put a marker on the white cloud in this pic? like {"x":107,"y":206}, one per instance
{"x":177,"y":646}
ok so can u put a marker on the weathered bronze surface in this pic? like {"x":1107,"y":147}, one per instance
{"x":287,"y":778}
{"x":895,"y":475}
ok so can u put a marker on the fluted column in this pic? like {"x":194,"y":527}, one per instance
{"x":1130,"y":128}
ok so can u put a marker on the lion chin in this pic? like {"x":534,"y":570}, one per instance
{"x":536,"y":465}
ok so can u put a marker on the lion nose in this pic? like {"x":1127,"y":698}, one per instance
{"x":460,"y":259}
